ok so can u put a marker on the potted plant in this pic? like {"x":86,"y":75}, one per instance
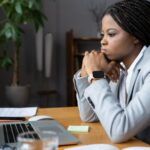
{"x":17,"y":13}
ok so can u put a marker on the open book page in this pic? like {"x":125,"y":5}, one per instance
{"x":94,"y":147}
{"x":137,"y":148}
{"x":18,"y":112}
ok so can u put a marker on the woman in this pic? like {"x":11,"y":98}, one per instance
{"x":122,"y":106}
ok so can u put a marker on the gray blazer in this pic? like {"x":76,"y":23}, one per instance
{"x":99,"y":101}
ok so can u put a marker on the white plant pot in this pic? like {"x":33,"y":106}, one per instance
{"x":17,"y":96}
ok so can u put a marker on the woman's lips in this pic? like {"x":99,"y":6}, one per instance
{"x":104,"y":50}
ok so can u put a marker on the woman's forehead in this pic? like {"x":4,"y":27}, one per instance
{"x":109,"y":22}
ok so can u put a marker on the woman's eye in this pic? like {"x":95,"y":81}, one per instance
{"x":101,"y":35}
{"x":111,"y":34}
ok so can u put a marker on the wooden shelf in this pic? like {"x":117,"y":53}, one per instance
{"x":79,"y":54}
{"x":75,"y":51}
{"x":87,"y":39}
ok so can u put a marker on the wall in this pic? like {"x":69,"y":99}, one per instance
{"x":63,"y":15}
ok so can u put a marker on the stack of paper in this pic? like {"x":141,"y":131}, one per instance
{"x":94,"y":147}
{"x":18,"y":112}
{"x":137,"y":148}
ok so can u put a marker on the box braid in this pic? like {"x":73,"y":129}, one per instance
{"x":133,"y":16}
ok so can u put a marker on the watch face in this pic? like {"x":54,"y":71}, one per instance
{"x":98,"y":74}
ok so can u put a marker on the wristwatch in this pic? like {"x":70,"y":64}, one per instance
{"x":96,"y":75}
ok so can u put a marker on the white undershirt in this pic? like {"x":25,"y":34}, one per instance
{"x":132,"y":67}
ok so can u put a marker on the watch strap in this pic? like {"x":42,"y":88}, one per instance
{"x":95,"y":75}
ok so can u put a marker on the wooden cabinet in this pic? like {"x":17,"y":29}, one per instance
{"x":76,"y":46}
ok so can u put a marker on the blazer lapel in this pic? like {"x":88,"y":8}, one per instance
{"x":137,"y":70}
{"x":134,"y":77}
{"x":118,"y":84}
{"x":139,"y":65}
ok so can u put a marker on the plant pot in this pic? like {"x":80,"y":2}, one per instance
{"x":17,"y":96}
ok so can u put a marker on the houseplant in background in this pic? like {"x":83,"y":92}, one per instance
{"x":16,"y":14}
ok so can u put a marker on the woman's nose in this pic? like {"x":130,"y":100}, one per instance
{"x":103,"y":42}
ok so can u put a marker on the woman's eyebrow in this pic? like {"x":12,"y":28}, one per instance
{"x":114,"y":29}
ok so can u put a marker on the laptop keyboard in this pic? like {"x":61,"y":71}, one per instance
{"x":11,"y":131}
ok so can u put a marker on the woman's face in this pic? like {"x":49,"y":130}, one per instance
{"x":116,"y":43}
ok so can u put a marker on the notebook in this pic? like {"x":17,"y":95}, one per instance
{"x":17,"y":112}
{"x":137,"y":148}
{"x":9,"y":131}
{"x":94,"y":147}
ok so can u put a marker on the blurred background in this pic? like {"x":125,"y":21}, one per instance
{"x":72,"y":27}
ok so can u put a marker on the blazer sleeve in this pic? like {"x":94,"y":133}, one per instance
{"x":120,"y":124}
{"x":85,"y":110}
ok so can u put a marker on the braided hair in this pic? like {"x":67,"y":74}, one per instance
{"x":133,"y":16}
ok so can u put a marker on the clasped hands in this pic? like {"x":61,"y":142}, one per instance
{"x":97,"y":61}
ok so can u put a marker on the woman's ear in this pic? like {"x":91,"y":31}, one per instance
{"x":135,"y":40}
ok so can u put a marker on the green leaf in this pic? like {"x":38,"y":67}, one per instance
{"x":6,"y":62}
{"x":8,"y":34}
{"x":36,"y":4}
{"x":18,"y":8}
{"x":6,"y":31}
{"x":12,"y":1}
{"x":11,"y":31}
{"x":3,"y":2}
{"x":31,"y":3}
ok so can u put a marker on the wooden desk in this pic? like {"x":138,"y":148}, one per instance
{"x":70,"y":116}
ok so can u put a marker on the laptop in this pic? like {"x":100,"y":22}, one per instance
{"x":10,"y":130}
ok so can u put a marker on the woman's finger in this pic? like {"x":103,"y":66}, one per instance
{"x":86,"y":53}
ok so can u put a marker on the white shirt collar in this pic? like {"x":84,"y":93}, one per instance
{"x":130,"y":72}
{"x":131,"y":68}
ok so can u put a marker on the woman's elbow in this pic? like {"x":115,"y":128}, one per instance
{"x":86,"y":119}
{"x":117,"y":138}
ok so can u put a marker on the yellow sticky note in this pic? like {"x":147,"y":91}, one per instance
{"x":82,"y":128}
